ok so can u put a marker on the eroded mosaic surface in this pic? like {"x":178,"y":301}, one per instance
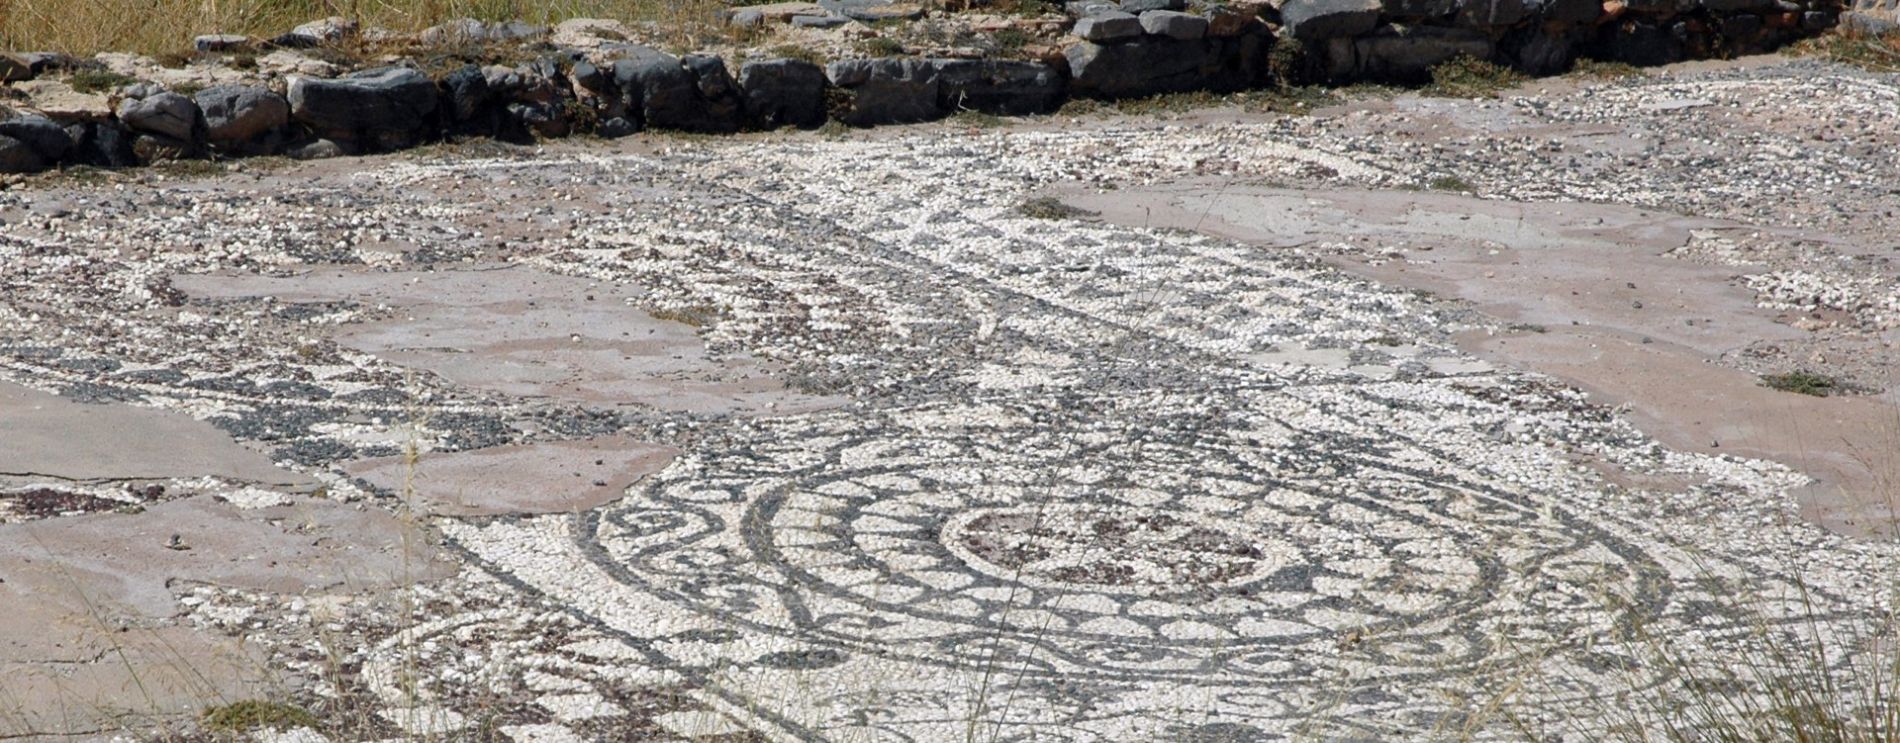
{"x":1066,"y":480}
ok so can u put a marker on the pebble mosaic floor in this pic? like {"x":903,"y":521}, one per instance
{"x":1091,"y":483}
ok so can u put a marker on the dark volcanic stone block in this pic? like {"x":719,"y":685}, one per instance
{"x":886,"y":91}
{"x":243,"y":117}
{"x":1148,"y":67}
{"x":388,"y":108}
{"x":783,"y":92}
{"x":998,"y":86}
{"x":1312,"y":20}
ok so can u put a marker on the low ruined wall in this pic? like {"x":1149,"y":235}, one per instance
{"x":1123,"y":49}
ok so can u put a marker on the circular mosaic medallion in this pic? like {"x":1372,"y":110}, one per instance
{"x":1115,"y":551}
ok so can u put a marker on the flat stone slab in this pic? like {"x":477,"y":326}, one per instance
{"x":50,"y":436}
{"x":556,"y":477}
{"x":827,"y":20}
{"x":59,"y":101}
{"x":1174,"y":24}
{"x":873,"y":11}
{"x":216,"y":43}
{"x":1108,"y":26}
{"x":68,"y":584}
{"x":784,"y":12}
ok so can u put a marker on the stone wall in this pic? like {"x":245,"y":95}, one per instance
{"x":1111,"y":49}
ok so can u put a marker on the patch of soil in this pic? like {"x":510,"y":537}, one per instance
{"x":46,"y":502}
{"x":1109,"y":549}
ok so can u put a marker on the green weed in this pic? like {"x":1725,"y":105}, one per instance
{"x":99,"y":81}
{"x":1801,"y":382}
{"x":1049,"y":207}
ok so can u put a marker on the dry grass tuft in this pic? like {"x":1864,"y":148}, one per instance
{"x":1797,"y":673}
{"x":1596,"y":69}
{"x":1875,"y":52}
{"x":1465,"y":77}
{"x":167,"y":26}
{"x":253,"y":714}
{"x":1049,"y":207}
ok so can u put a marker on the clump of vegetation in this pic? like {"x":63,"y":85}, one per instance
{"x":174,"y":59}
{"x":262,"y":164}
{"x":977,"y":120}
{"x":1289,"y":100}
{"x":584,"y":117}
{"x":1801,"y":382}
{"x":80,"y":176}
{"x":1469,"y":77}
{"x":793,"y":51}
{"x":881,"y":46}
{"x":697,"y":316}
{"x":1875,"y":52}
{"x":257,"y":714}
{"x":188,"y":168}
{"x":471,"y":147}
{"x":440,"y":60}
{"x":1450,"y":182}
{"x":833,"y":129}
{"x":43,"y":502}
{"x":1019,"y":7}
{"x":1795,"y":670}
{"x":1303,"y":99}
{"x":98,"y":81}
{"x":1168,"y":103}
{"x":1049,"y":207}
{"x":1287,"y":63}
{"x":348,"y":57}
{"x":1080,"y":107}
{"x":1368,"y":90}
{"x":839,"y":102}
{"x":931,"y":32}
{"x":1009,"y":41}
{"x":744,"y":35}
{"x":1597,"y":69}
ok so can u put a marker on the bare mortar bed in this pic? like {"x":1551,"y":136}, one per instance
{"x":1396,"y":418}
